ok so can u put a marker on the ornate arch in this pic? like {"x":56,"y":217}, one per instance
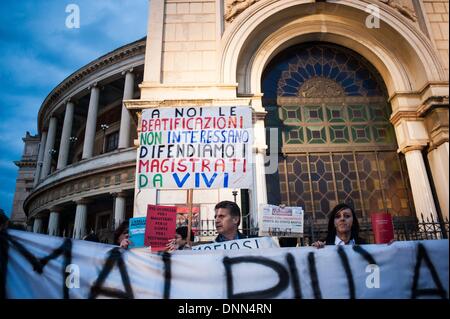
{"x":401,"y":53}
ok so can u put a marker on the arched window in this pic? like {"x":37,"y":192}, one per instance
{"x":336,"y":143}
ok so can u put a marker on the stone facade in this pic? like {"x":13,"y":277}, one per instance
{"x":437,"y":13}
{"x":216,"y":52}
{"x":25,"y":177}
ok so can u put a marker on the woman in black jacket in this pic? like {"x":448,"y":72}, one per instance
{"x":343,"y":228}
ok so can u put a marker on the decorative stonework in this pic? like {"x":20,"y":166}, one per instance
{"x":235,"y":7}
{"x":405,"y":7}
{"x":120,"y":54}
{"x":436,"y":123}
{"x":84,"y":187}
{"x":320,"y":87}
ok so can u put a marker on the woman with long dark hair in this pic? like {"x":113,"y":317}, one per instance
{"x":121,"y":236}
{"x":343,"y":228}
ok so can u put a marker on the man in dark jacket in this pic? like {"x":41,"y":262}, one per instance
{"x":227,"y":219}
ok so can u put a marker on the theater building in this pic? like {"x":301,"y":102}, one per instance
{"x":349,"y":99}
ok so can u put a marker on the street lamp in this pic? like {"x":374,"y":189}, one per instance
{"x":52,"y":152}
{"x":104,"y":127}
{"x":72,"y":141}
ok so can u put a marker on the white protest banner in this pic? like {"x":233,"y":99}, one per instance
{"x":40,"y":266}
{"x":281,"y":220}
{"x":248,"y":243}
{"x":195,"y":148}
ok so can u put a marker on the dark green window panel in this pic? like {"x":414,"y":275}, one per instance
{"x":378,"y":113}
{"x":293,"y":135}
{"x":313,"y":114}
{"x":335,"y":114}
{"x":357,"y":113}
{"x":338,"y":134}
{"x":383,"y":133}
{"x":360,"y":133}
{"x":316,"y":135}
{"x":290,"y":114}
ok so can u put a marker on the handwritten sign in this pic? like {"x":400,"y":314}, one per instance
{"x":40,"y":266}
{"x":248,"y":243}
{"x":160,"y":228}
{"x":136,"y":232}
{"x":282,"y":220}
{"x":195,"y":148}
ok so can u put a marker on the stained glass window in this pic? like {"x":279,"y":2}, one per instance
{"x":337,"y":142}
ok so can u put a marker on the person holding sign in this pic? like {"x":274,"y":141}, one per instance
{"x":343,"y":228}
{"x":180,"y":240}
{"x":121,"y":236}
{"x":227,"y":220}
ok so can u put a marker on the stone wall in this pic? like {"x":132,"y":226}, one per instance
{"x":189,"y":42}
{"x":437,"y":13}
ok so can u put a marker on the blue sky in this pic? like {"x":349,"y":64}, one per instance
{"x":38,"y":51}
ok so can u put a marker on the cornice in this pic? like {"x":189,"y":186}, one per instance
{"x":125,"y":52}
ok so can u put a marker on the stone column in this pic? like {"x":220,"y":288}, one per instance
{"x":91,"y":123}
{"x":40,"y":159}
{"x":439,"y":160}
{"x":258,"y":193}
{"x":437,"y":125}
{"x":65,"y":136}
{"x":412,"y":138}
{"x":420,"y":185}
{"x":49,"y":145}
{"x":53,"y":222}
{"x":125,"y":120}
{"x":37,"y":226}
{"x":119,"y":208}
{"x":80,"y":219}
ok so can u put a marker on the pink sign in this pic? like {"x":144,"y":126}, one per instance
{"x":160,"y":228}
{"x":383,"y":228}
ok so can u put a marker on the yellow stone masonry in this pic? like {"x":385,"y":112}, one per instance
{"x":437,"y":13}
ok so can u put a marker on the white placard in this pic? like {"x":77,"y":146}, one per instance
{"x":195,"y":148}
{"x":282,"y":220}
{"x":247,"y":243}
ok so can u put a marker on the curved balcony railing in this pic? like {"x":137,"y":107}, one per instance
{"x":96,"y":163}
{"x":99,"y":174}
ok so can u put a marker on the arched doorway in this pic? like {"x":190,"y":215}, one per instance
{"x":336,"y":143}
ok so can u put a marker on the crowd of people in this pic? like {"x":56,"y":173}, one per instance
{"x":343,"y":229}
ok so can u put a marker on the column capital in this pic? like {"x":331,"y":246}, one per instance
{"x":56,"y":209}
{"x":437,"y":123}
{"x":412,"y":148}
{"x":411,"y":132}
{"x":130,"y":70}
{"x":82,"y":201}
{"x":92,"y":86}
{"x":404,"y":115}
{"x":259,"y":116}
{"x":118,"y":194}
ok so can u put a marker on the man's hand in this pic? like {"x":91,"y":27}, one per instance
{"x":391,"y":242}
{"x":171,"y":245}
{"x":319,"y":244}
{"x":125,"y":243}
